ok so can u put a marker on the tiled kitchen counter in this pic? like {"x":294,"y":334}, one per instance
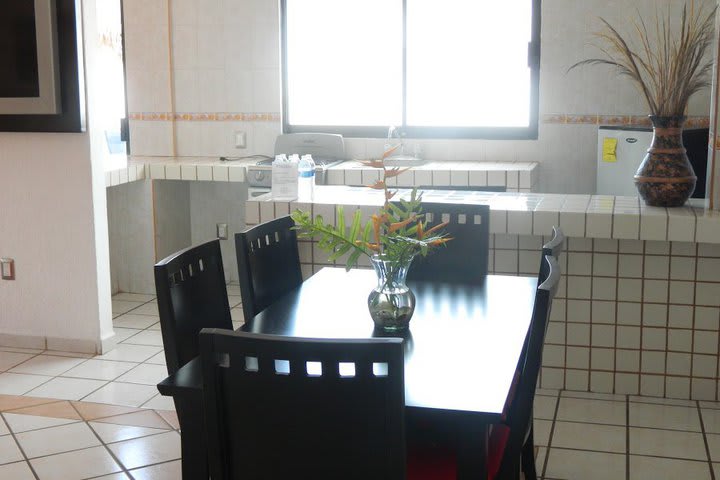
{"x":516,"y":177}
{"x":638,"y":311}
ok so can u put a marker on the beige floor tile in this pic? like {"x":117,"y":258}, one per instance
{"x":233,"y":289}
{"x":4,"y":430}
{"x":667,"y":443}
{"x":93,"y":411}
{"x":67,"y":388}
{"x":595,"y":411}
{"x":16,"y":471}
{"x":711,"y":420}
{"x":146,"y":451}
{"x":155,"y":326}
{"x":593,"y":395}
{"x":130,"y":353}
{"x":19,"y":383}
{"x":13,"y":402}
{"x":237,"y":315}
{"x":582,"y":465}
{"x":164,"y":471}
{"x":116,"y":476}
{"x":662,"y":401}
{"x":132,"y":320}
{"x":170,"y":417}
{"x":146,"y":373}
{"x":51,"y":365}
{"x":133,"y":297}
{"x":544,"y":407}
{"x":713,"y":441}
{"x":9,"y":451}
{"x":60,"y":353}
{"x":584,"y":436}
{"x":127,"y":394}
{"x":87,"y":463}
{"x":55,"y":410}
{"x":23,"y":423}
{"x":234,"y":300}
{"x":159,"y":402}
{"x":158,"y":359}
{"x":110,"y":433}
{"x":541,"y":431}
{"x":664,"y":416}
{"x":123,"y":306}
{"x":10,"y":359}
{"x":644,"y":468}
{"x":49,"y":441}
{"x":100,"y":369}
{"x":149,"y":308}
{"x":122,"y":334}
{"x":146,"y":337}
{"x":142,"y":418}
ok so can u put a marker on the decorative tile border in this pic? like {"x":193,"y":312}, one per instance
{"x":550,"y":118}
{"x":617,"y":120}
{"x":204,"y":117}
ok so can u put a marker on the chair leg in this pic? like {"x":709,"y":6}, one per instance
{"x":192,"y":439}
{"x":528,"y":458}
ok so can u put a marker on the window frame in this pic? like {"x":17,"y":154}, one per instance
{"x":381,"y":131}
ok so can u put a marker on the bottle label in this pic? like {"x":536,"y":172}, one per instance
{"x":307,"y":174}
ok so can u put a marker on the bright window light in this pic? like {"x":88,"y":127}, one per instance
{"x":467,"y":63}
{"x":463,"y":68}
{"x":344,"y":62}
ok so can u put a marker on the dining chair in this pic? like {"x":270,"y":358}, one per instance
{"x":511,"y":446}
{"x":465,"y":258}
{"x":191,"y":295}
{"x":268,"y":264}
{"x":554,"y":247}
{"x":282,"y":407}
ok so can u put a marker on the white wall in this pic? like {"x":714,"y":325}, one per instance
{"x":53,"y":223}
{"x":225,"y":58}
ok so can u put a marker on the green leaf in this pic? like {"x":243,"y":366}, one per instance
{"x":352,"y":260}
{"x":340,"y":220}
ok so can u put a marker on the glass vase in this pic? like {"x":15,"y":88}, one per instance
{"x":391,"y":302}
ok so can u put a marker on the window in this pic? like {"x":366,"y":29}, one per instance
{"x":450,"y":69}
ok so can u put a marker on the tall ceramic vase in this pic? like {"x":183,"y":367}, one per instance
{"x":391,"y":302}
{"x":665,"y":177}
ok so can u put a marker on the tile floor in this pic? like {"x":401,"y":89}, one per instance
{"x":49,"y":439}
{"x":67,"y":416}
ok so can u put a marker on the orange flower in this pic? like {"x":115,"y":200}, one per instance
{"x":398,"y":225}
{"x":440,"y":241}
{"x":436,"y":228}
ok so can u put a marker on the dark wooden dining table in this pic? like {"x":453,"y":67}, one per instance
{"x":461,"y":350}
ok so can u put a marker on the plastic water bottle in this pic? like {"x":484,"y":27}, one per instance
{"x":306,"y":178}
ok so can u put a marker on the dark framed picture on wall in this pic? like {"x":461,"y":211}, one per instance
{"x":40,"y":60}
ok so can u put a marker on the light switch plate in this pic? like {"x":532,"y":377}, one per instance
{"x":7,"y":268}
{"x":222,"y":231}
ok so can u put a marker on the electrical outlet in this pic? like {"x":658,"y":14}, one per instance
{"x":7,"y":268}
{"x":222,"y":231}
{"x":240,"y":139}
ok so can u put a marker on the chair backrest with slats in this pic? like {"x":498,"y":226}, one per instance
{"x":465,"y":258}
{"x":191,"y":295}
{"x":519,"y":415}
{"x":280,"y":407}
{"x":554,"y":247}
{"x":268,"y":264}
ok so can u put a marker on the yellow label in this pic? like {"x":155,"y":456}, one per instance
{"x":609,"y":149}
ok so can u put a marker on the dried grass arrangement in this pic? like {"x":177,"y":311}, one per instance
{"x":667,"y":66}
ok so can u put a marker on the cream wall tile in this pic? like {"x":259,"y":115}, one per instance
{"x":599,"y":225}
{"x":520,"y":223}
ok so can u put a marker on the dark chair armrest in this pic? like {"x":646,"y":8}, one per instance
{"x":186,"y":381}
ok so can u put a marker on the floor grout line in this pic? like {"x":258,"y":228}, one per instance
{"x":550,"y":437}
{"x":705,"y":441}
{"x":627,"y":437}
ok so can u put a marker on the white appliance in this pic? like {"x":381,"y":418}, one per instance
{"x":326,"y":149}
{"x":620,"y":151}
